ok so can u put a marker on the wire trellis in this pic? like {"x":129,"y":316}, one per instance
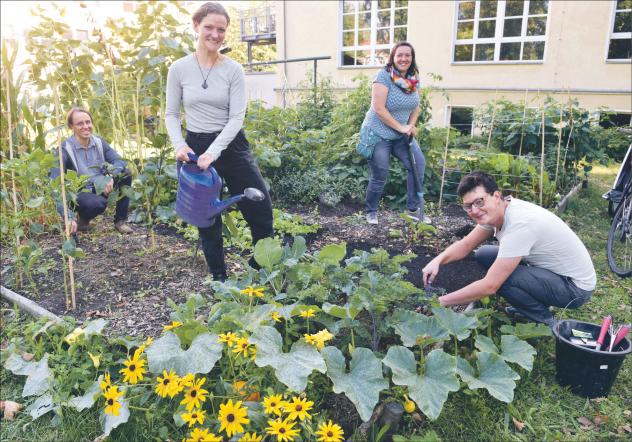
{"x":531,"y":116}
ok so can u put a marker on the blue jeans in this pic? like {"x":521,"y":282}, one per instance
{"x":380,"y":164}
{"x":531,"y":290}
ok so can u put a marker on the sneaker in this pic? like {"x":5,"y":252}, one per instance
{"x":123,"y":227}
{"x":371,"y":218}
{"x":414,"y":215}
{"x":513,"y":312}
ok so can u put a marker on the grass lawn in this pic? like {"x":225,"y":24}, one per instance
{"x":541,"y":410}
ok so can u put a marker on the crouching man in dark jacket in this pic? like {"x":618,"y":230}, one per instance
{"x":87,"y":154}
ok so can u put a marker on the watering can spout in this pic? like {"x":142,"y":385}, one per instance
{"x":250,"y":193}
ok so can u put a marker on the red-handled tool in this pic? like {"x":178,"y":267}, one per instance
{"x":623,"y":331}
{"x":605,"y":325}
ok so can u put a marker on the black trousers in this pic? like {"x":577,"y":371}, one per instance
{"x":90,"y":205}
{"x":238,"y":169}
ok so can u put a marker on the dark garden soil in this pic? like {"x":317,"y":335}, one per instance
{"x":126,"y":281}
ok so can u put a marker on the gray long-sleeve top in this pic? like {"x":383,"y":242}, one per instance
{"x":219,"y":108}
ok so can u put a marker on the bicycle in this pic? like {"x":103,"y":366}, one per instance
{"x":620,"y":236}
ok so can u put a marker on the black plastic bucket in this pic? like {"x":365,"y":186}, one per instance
{"x":588,"y":372}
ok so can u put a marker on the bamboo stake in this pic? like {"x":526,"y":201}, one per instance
{"x":491,"y":129}
{"x":524,"y":117}
{"x":14,"y":194}
{"x":542,"y":157}
{"x":445,"y":161}
{"x":559,"y":142}
{"x":62,"y":174}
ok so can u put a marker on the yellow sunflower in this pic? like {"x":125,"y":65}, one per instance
{"x":202,"y":435}
{"x":276,"y":316}
{"x":168,"y":384}
{"x":112,"y":404}
{"x":298,"y":408}
{"x":232,"y":416}
{"x":195,"y":416}
{"x":242,"y":347}
{"x":134,"y":370}
{"x":274,"y":404}
{"x":174,"y":324}
{"x":309,"y":313}
{"x":282,"y":429}
{"x":195,"y":395}
{"x":106,"y":383}
{"x":228,"y":338}
{"x":250,"y":437}
{"x":251,"y":291}
{"x":330,"y":432}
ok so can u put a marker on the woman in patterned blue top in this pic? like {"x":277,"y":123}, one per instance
{"x":388,"y":124}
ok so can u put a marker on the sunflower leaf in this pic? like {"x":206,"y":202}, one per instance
{"x":429,"y":390}
{"x":410,"y":326}
{"x":494,"y":375}
{"x":293,"y":368}
{"x":363,"y":383}
{"x":167,"y":354}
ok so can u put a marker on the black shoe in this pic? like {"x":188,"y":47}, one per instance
{"x":221,"y":277}
{"x":253,"y":263}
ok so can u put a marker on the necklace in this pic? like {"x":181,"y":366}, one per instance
{"x":204,"y":84}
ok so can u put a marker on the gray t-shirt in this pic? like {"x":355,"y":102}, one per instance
{"x":219,"y":108}
{"x":544,"y":240}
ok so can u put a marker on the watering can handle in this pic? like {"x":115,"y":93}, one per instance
{"x":193,"y":157}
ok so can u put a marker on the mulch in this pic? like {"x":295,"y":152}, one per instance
{"x":127,"y":281}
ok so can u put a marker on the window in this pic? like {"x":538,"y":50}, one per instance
{"x":370,"y":29}
{"x":461,"y":119}
{"x":500,"y":31}
{"x":615,"y":119}
{"x":620,"y":46}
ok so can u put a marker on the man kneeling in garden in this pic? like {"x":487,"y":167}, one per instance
{"x":539,"y":261}
{"x":88,"y":154}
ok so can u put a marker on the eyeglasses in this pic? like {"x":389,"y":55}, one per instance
{"x":476,"y":204}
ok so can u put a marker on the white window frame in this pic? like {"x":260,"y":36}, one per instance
{"x":616,"y":35}
{"x":498,"y":38}
{"x":372,"y":47}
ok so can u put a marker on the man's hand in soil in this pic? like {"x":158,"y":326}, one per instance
{"x":430,"y":272}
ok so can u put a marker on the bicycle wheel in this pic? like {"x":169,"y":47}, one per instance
{"x":620,"y":240}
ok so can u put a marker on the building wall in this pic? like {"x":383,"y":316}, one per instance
{"x":575,"y":57}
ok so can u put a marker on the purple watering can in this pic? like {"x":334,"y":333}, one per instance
{"x":197,"y":201}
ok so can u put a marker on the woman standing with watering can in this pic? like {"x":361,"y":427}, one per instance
{"x":211,"y":89}
{"x":389,"y":127}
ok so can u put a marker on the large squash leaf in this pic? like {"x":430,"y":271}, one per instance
{"x":268,"y":253}
{"x":110,"y":422}
{"x":167,"y":354}
{"x":458,"y":324}
{"x":429,"y":390}
{"x":363,"y":383}
{"x":527,"y":330}
{"x":291,"y":368}
{"x":512,"y":349}
{"x":38,"y":375}
{"x":494,"y":375}
{"x":410,"y":326}
{"x":332,"y":254}
{"x":86,"y":401}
